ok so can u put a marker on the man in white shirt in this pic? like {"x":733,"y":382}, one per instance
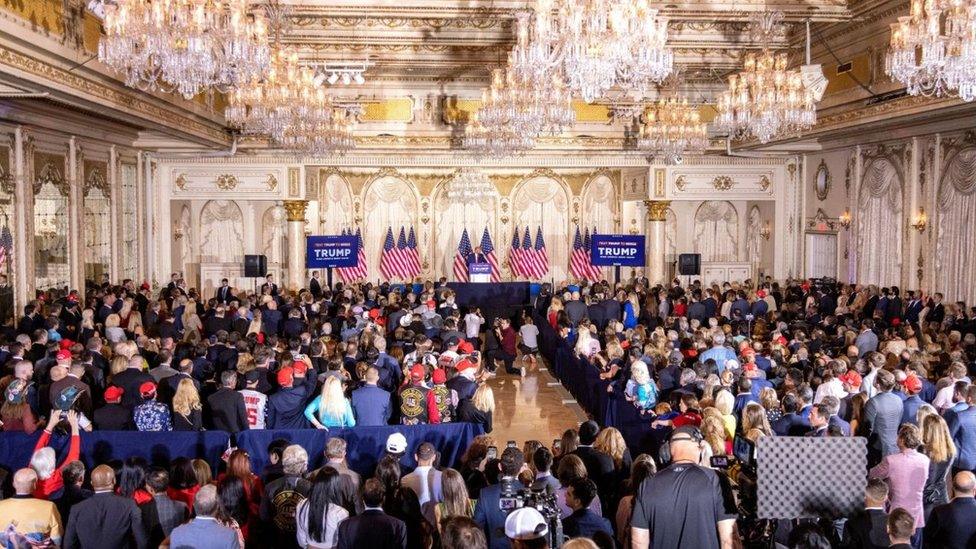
{"x":472,"y":325}
{"x":255,"y":402}
{"x":834,"y":386}
{"x":425,"y":481}
{"x":529,"y":333}
{"x":944,"y":398}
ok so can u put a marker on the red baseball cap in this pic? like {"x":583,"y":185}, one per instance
{"x":66,"y":344}
{"x":299,"y":367}
{"x":464,"y":364}
{"x":439,"y":376}
{"x":147,"y":389}
{"x":851,"y":378}
{"x":417,"y":372}
{"x":64,"y":354}
{"x":286,"y":376}
{"x":465,"y":348}
{"x":114,"y":394}
{"x":912,"y":384}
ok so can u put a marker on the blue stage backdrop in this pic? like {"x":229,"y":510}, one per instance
{"x":334,"y":251}
{"x":617,"y":250}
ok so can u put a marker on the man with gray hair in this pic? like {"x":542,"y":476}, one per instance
{"x":203,"y":532}
{"x":227,"y":405}
{"x":719,"y":353}
{"x":283,"y":496}
{"x":31,"y":518}
{"x":391,"y":375}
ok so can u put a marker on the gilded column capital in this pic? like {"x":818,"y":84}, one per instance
{"x":296,"y":209}
{"x":657,"y":209}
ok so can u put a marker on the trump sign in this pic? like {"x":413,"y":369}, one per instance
{"x":617,"y":250}
{"x":331,"y":251}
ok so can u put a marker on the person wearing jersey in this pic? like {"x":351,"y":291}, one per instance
{"x":255,"y":402}
{"x":444,"y":398}
{"x":417,"y":402}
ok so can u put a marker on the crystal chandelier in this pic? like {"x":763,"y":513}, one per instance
{"x":185,"y":46}
{"x":765,"y":100}
{"x":271,"y":103}
{"x":470,"y":185}
{"x":321,"y":135}
{"x":671,"y":129}
{"x":933,"y":49}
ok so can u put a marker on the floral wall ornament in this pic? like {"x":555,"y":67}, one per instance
{"x":271,"y":182}
{"x":765,"y":183}
{"x":723,"y":183}
{"x":181,"y":182}
{"x":680,"y":182}
{"x":227,"y":182}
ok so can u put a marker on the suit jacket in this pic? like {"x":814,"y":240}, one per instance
{"x":867,"y":530}
{"x":586,"y":523}
{"x":371,"y":405}
{"x":963,"y":430}
{"x":953,"y":525}
{"x":374,"y":529}
{"x":879,"y":423}
{"x":161,"y":516}
{"x":227,"y":411}
{"x":910,"y":409}
{"x":224,"y":295}
{"x":490,"y":518}
{"x":845,"y":427}
{"x":203,"y":533}
{"x":599,"y":469}
{"x":791,"y":425}
{"x":315,"y":288}
{"x":129,"y":381}
{"x":113,"y":417}
{"x":105,"y":521}
{"x":84,"y":399}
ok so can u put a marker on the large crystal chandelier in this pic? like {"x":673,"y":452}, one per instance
{"x":321,"y":136}
{"x":184,"y":45}
{"x":273,"y":102}
{"x":470,"y":185}
{"x":671,"y":129}
{"x":933,"y":49}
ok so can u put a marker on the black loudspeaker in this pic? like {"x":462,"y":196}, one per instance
{"x":689,"y":264}
{"x":255,"y":266}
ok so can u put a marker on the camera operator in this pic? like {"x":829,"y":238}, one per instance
{"x":685,"y":504}
{"x":488,"y":512}
{"x":506,"y":352}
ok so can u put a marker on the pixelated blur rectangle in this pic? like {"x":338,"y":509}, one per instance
{"x":811,"y":476}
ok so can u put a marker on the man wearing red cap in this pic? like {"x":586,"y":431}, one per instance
{"x":444,"y":398}
{"x":464,"y":384}
{"x":113,"y":416}
{"x":151,"y":415}
{"x":417,"y":403}
{"x":911,"y":386}
{"x":286,"y":407}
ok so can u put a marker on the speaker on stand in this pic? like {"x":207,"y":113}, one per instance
{"x":689,"y":265}
{"x":255,"y":266}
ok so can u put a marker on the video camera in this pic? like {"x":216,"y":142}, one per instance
{"x":541,"y":496}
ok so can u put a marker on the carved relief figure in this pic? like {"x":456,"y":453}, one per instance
{"x":222,"y":229}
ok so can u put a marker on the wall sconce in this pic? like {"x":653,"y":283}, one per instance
{"x":765,"y":231}
{"x":920,"y":221}
{"x":846,"y":219}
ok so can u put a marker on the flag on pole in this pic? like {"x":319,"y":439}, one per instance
{"x":513,"y":256}
{"x":402,"y":256}
{"x":489,"y":251}
{"x":528,"y":258}
{"x":461,"y":258}
{"x":541,"y":255}
{"x":578,"y":261}
{"x":361,"y":270}
{"x":413,"y":254}
{"x":592,"y":272}
{"x":343,"y":271}
{"x":6,"y":248}
{"x":388,"y":268}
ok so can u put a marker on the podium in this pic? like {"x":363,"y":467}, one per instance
{"x":479,"y":272}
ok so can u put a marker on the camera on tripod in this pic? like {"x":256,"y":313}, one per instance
{"x":514,"y":495}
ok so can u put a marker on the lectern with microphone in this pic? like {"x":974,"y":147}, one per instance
{"x":479,"y":272}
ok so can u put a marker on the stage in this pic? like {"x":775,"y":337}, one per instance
{"x":500,"y":299}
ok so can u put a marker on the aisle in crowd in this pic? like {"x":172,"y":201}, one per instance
{"x":701,"y":365}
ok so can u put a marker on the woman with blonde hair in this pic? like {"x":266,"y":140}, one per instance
{"x":119,"y":364}
{"x":331,"y":408}
{"x":725,"y":402}
{"x":479,"y":408}
{"x":113,"y":332}
{"x":255,"y":326}
{"x":552,"y":315}
{"x":192,"y":325}
{"x":610,"y":442}
{"x":187,"y":410}
{"x":770,"y":402}
{"x":713,"y":430}
{"x":754,"y":417}
{"x":938,"y":446}
{"x":87,"y":324}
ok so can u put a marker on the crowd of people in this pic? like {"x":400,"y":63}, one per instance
{"x":703,"y":364}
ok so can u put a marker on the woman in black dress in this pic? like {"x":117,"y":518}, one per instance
{"x":187,"y":411}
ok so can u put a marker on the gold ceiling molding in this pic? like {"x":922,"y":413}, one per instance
{"x":394,"y":48}
{"x":227,"y":182}
{"x":483,"y":20}
{"x":43,"y":15}
{"x":455,"y":110}
{"x":890,"y":108}
{"x":723,"y":183}
{"x":126,"y":101}
{"x":398,"y":109}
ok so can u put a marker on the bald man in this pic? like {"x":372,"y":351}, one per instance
{"x":105,"y":519}
{"x":953,"y":525}
{"x":33,"y":518}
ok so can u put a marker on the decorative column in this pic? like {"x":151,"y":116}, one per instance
{"x":295,"y":209}
{"x":656,"y":216}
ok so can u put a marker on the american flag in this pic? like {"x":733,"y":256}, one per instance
{"x":528,"y":262}
{"x":489,"y":251}
{"x":513,"y":256}
{"x":342,"y":271}
{"x":541,"y":254}
{"x":461,"y":258}
{"x":388,"y":264}
{"x":361,"y":270}
{"x":403,"y":255}
{"x":579,"y":262}
{"x":413,"y":254}
{"x":6,"y":247}
{"x":593,"y":272}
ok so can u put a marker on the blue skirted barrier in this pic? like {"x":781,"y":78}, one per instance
{"x":582,"y":380}
{"x":365,"y":445}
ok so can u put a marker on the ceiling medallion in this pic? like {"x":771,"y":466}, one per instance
{"x":723,"y":183}
{"x":226,"y":182}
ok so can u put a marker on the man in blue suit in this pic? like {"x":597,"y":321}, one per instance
{"x":953,"y":525}
{"x":487,"y":512}
{"x":832,"y":404}
{"x":881,"y":419}
{"x":389,"y":369}
{"x":912,"y":386}
{"x":203,"y":532}
{"x":583,"y":522}
{"x":370,"y":404}
{"x":790,"y":423}
{"x":963,"y":431}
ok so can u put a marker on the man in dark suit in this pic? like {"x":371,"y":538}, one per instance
{"x":223,"y":292}
{"x":217,"y":323}
{"x":487,"y":512}
{"x":953,"y":525}
{"x":113,"y":416}
{"x":373,"y":528}
{"x":599,"y":466}
{"x":314,"y":286}
{"x":129,"y":380}
{"x":269,"y":287}
{"x":477,"y":256}
{"x":881,"y":419}
{"x":963,"y":430}
{"x":937,"y":311}
{"x":819,"y":416}
{"x":867,"y":528}
{"x":370,"y":404}
{"x":790,"y":423}
{"x":227,"y":405}
{"x":583,"y":522}
{"x":105,"y":519}
{"x":913,"y":308}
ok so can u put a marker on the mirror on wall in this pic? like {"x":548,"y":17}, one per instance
{"x":821,"y":181}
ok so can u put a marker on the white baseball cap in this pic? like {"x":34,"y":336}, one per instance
{"x":525,"y":523}
{"x":396,"y":443}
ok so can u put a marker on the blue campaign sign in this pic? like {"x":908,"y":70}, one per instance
{"x":611,"y":250}
{"x":331,"y":251}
